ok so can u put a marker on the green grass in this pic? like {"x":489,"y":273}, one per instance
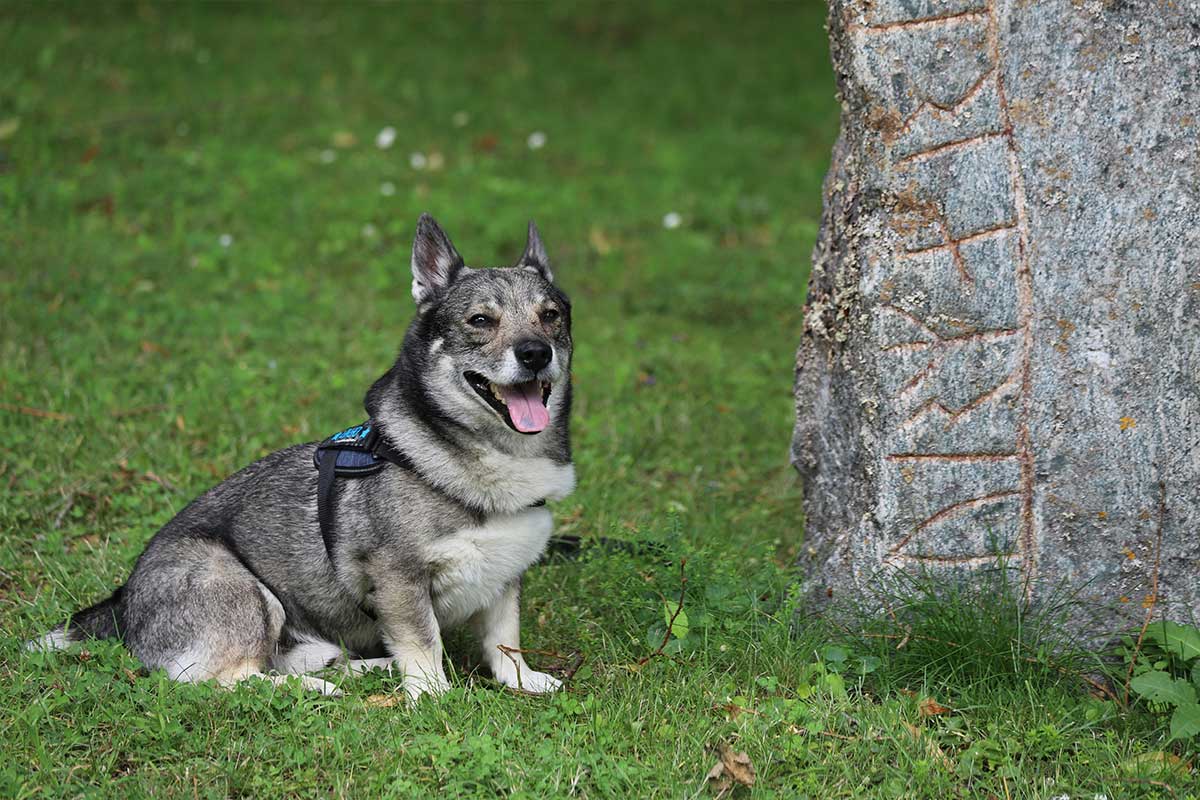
{"x":166,"y":360}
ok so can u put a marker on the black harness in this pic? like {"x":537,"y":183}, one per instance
{"x":351,"y":453}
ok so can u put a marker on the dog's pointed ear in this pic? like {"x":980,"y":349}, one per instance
{"x":535,"y":257}
{"x":435,"y":262}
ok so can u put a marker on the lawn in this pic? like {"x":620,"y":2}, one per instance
{"x":204,"y":258}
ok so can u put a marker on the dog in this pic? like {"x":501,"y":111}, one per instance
{"x":261,"y":577}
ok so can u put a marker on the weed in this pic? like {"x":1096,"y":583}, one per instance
{"x":1164,"y":670}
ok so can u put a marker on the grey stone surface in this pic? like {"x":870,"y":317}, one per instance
{"x":1001,"y":354}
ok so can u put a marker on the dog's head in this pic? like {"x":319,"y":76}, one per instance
{"x":492,"y":347}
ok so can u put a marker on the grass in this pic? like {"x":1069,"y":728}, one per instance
{"x":205,"y":259}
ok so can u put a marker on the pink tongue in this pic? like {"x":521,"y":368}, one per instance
{"x":525,"y":406}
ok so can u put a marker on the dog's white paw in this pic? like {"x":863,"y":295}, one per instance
{"x":540,"y":683}
{"x":528,"y":680}
{"x":307,"y":681}
{"x":418,"y":684}
{"x":361,"y":666}
{"x":317,"y":685}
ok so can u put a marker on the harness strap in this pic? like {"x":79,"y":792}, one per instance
{"x":326,"y":474}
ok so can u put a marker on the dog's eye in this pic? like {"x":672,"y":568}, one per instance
{"x":549,"y":315}
{"x":480,"y":321}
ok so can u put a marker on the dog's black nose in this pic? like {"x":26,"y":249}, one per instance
{"x":533,"y":354}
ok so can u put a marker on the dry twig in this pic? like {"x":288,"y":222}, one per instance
{"x":36,"y":412}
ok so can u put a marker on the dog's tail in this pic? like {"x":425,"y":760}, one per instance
{"x":94,"y":622}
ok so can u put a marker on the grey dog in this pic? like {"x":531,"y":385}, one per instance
{"x":241,"y":583}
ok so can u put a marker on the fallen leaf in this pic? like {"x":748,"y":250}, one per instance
{"x":90,"y":154}
{"x":344,"y":139}
{"x":928,"y":707}
{"x":384,"y":700}
{"x":1127,"y":423}
{"x":730,"y":769}
{"x":8,"y":127}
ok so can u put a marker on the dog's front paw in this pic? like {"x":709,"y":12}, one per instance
{"x":417,"y":684}
{"x":528,"y":680}
{"x":540,"y":683}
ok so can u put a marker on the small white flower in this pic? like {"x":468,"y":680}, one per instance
{"x":369,"y":231}
{"x":387,"y":188}
{"x":385,"y":138}
{"x":672,"y":220}
{"x":226,"y":240}
{"x":417,"y":161}
{"x":536,"y":140}
{"x":328,"y":156}
{"x":272,"y":364}
{"x":460,"y":119}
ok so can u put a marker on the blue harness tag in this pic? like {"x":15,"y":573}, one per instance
{"x":355,"y":435}
{"x":353,"y":451}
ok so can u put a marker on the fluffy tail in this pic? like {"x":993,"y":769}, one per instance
{"x":94,"y":622}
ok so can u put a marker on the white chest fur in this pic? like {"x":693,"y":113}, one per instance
{"x":472,"y":567}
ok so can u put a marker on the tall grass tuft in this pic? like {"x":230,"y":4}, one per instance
{"x":974,"y":630}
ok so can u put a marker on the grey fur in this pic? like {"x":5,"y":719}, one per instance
{"x":239,"y":581}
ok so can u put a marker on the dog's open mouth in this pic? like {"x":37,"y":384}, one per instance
{"x":521,"y":405}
